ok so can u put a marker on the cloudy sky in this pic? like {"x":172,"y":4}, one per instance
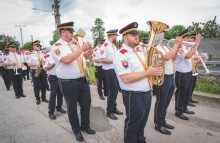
{"x":115,"y":14}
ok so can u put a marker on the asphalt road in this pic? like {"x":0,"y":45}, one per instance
{"x":22,"y":121}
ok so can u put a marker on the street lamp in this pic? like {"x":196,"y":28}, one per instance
{"x":20,"y":26}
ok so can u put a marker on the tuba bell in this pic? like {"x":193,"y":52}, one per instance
{"x":154,"y":56}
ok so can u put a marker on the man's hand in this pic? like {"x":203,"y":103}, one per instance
{"x":86,"y":46}
{"x":155,"y":71}
{"x":88,"y":53}
{"x":13,"y":64}
{"x":178,"y":41}
{"x":198,"y":37}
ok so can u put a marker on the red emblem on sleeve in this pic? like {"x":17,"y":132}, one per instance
{"x":123,"y":51}
{"x":124,"y":63}
{"x":58,"y":44}
{"x":106,"y":44}
{"x":46,"y":56}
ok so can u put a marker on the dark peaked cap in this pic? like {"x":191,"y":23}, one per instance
{"x":184,"y":33}
{"x":67,"y":26}
{"x":129,"y":29}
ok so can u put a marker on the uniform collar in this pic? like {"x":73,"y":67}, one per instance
{"x":124,"y":46}
{"x":63,"y":42}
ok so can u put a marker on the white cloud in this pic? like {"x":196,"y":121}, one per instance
{"x":115,"y":14}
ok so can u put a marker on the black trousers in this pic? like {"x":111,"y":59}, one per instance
{"x":112,"y":87}
{"x":137,"y":106}
{"x":194,"y":79}
{"x":5,"y":76}
{"x":54,"y":92}
{"x":40,"y":84}
{"x":101,"y":81}
{"x":27,"y":71}
{"x":76,"y":90}
{"x":183,"y":89}
{"x":163,"y":94}
{"x":17,"y":81}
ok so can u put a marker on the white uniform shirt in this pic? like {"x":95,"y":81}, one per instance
{"x":96,"y":54}
{"x":183,"y":65}
{"x":11,"y":59}
{"x":65,"y":71}
{"x":33,"y":58}
{"x":49,"y":60}
{"x":107,"y":50}
{"x":168,"y":64}
{"x":127,"y":62}
{"x":1,"y":59}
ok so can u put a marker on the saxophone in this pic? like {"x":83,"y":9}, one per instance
{"x":39,"y":69}
{"x":156,"y":57}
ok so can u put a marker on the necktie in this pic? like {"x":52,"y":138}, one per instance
{"x":81,"y":68}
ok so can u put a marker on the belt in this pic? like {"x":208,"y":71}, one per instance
{"x":135,"y":92}
{"x":168,"y":75}
{"x":77,"y":79}
{"x":184,"y":72}
{"x":14,"y":69}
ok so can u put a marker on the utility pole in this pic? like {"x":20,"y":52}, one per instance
{"x":56,"y":9}
{"x":20,"y":26}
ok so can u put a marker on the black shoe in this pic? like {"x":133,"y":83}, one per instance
{"x":102,"y":97}
{"x":118,"y":112}
{"x":61,"y":110}
{"x":190,"y":104}
{"x":23,"y":95}
{"x":168,"y":126}
{"x":194,"y":101}
{"x":79,"y":137}
{"x":182,"y":116}
{"x":163,"y":130}
{"x":17,"y":97}
{"x":45,"y":100}
{"x":188,"y":112}
{"x":38,"y":102}
{"x":88,"y":131}
{"x":112,"y":116}
{"x":52,"y":117}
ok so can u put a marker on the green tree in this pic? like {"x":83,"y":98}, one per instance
{"x":5,"y":38}
{"x":209,"y":29}
{"x":143,"y":34}
{"x":173,"y":32}
{"x":28,"y":45}
{"x":97,"y":31}
{"x":54,"y":37}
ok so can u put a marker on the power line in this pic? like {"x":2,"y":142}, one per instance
{"x":75,"y":6}
{"x":67,"y":4}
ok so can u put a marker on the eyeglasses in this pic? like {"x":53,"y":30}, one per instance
{"x":12,"y":46}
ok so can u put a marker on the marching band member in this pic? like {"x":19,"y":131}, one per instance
{"x":14,"y":62}
{"x":107,"y":52}
{"x":99,"y":73}
{"x":4,"y":70}
{"x":165,"y":91}
{"x":50,"y":67}
{"x":132,"y":74}
{"x":184,"y":69}
{"x":71,"y":78}
{"x":40,"y":79}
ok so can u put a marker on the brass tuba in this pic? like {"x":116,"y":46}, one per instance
{"x":39,"y":69}
{"x":78,"y":38}
{"x":154,"y":56}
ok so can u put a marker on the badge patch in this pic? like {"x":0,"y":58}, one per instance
{"x":101,"y":52}
{"x":58,"y":44}
{"x":57,"y":52}
{"x":124,"y":63}
{"x":46,"y":56}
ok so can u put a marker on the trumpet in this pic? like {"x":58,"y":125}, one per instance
{"x":170,"y":43}
{"x":203,"y":63}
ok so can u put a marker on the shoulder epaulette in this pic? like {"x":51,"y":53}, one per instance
{"x":106,"y":44}
{"x":46,"y":55}
{"x":58,"y":44}
{"x":123,"y":51}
